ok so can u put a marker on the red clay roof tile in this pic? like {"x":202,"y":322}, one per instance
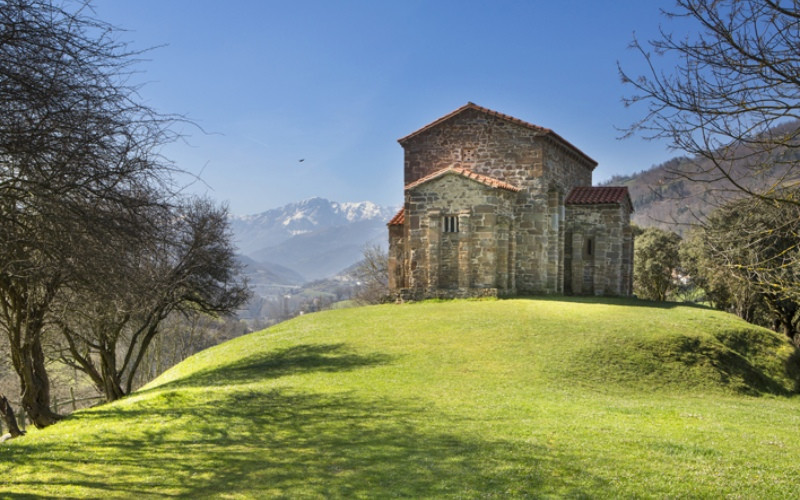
{"x":590,"y":195}
{"x":399,"y":219}
{"x":463,"y":172}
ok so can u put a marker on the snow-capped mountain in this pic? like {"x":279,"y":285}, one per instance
{"x":256,"y":232}
{"x":315,"y":238}
{"x":362,"y":210}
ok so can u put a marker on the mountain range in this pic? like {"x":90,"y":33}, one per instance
{"x":308,"y":240}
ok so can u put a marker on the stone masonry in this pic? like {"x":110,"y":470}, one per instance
{"x":495,"y":206}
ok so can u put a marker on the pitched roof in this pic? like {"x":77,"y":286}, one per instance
{"x":470,"y":105}
{"x":605,"y":195}
{"x":399,"y":219}
{"x":463,"y":172}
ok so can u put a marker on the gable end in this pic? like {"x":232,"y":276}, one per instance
{"x":541,"y":131}
{"x":468,"y":174}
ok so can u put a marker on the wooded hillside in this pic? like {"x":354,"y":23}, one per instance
{"x":664,"y":197}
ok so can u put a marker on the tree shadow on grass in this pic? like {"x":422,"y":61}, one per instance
{"x":246,"y":441}
{"x":283,"y":443}
{"x":607,"y":300}
{"x":732,"y":360}
{"x":690,"y":362}
{"x":293,"y":360}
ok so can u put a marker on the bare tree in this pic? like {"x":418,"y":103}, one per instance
{"x":733,"y":101}
{"x":78,"y":167}
{"x":372,"y":274}
{"x":182,"y":335}
{"x":112,"y":318}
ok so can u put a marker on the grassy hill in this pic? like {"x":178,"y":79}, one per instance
{"x":513,"y":398}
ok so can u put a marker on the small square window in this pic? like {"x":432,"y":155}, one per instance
{"x":450,"y":224}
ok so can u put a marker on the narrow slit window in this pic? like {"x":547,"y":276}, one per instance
{"x":590,"y":247}
{"x":451,"y":224}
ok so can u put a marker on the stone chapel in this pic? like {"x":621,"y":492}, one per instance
{"x":496,"y":206}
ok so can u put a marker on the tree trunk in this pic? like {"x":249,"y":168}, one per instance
{"x":35,"y":385}
{"x":112,"y":386}
{"x":23,"y":311}
{"x":787,"y":329}
{"x":8,"y":417}
{"x":151,"y":331}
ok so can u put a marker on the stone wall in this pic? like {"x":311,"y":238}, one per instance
{"x":507,"y":242}
{"x":482,"y":143}
{"x":474,"y":261}
{"x":496,"y":148}
{"x":598,"y":250}
{"x":543,"y":168}
{"x":396,"y":264}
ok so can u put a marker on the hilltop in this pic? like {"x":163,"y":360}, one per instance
{"x":511,"y":398}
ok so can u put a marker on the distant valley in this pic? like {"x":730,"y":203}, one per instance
{"x":296,"y":254}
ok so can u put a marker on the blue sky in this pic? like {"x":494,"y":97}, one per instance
{"x":336,"y":83}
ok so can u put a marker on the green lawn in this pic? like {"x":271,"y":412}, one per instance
{"x":513,"y":398}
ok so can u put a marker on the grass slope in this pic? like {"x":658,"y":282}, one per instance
{"x":516,"y":398}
